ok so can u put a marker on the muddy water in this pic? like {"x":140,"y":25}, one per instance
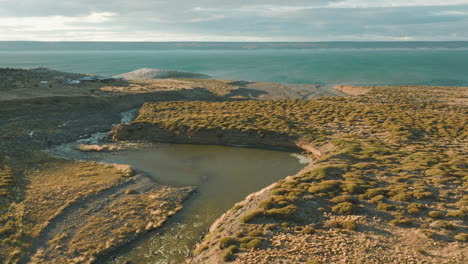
{"x":224,"y":176}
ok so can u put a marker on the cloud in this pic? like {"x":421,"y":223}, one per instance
{"x":221,"y":20}
{"x":451,"y":13}
{"x":54,"y":23}
{"x":394,"y":3}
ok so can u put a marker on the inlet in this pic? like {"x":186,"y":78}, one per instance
{"x":223,"y":175}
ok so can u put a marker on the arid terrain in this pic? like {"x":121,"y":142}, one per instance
{"x":64,"y":211}
{"x":388,"y":183}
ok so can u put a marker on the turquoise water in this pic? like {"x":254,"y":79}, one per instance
{"x":353,"y":63}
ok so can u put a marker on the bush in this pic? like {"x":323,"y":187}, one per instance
{"x":377,"y":199}
{"x":308,"y":230}
{"x":401,"y":222}
{"x":461,"y":237}
{"x":227,"y":242}
{"x":457,"y":214}
{"x":371,"y":193}
{"x":349,"y":225}
{"x":229,"y":254}
{"x":251,"y":215}
{"x":345,"y":208}
{"x":435,"y":214}
{"x":341,"y":198}
{"x":415,"y":208}
{"x":385,"y":207}
{"x":254,"y":243}
{"x":423,"y":195}
{"x":331,"y":186}
{"x":255,"y":233}
{"x":401,"y":197}
{"x":283,"y":213}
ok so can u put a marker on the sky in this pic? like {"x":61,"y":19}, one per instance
{"x":233,"y":20}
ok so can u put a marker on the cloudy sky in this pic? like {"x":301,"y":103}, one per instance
{"x":233,"y":20}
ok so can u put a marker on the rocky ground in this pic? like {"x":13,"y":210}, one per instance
{"x":388,"y":183}
{"x":61,"y":211}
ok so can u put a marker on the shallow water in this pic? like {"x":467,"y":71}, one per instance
{"x":224,"y":176}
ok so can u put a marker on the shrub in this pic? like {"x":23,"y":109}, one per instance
{"x":415,"y":208}
{"x":354,"y":187}
{"x":345,"y":208}
{"x":457,"y":214}
{"x":461,"y":237}
{"x":341,"y":198}
{"x":251,"y":215}
{"x":331,"y":186}
{"x":385,"y":207}
{"x":371,"y":193}
{"x":227,"y":242}
{"x":442,"y":225}
{"x":349,"y":225}
{"x":423,"y":195}
{"x":377,"y":199}
{"x":428,"y":233}
{"x":401,"y":197}
{"x":308,"y":230}
{"x":200,"y":249}
{"x":435,"y":214}
{"x":254,"y":243}
{"x":283,"y":213}
{"x":229,"y":254}
{"x":279,"y":191}
{"x":255,"y":233}
{"x":402,"y":221}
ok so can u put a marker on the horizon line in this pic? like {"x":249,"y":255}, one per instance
{"x":208,"y":41}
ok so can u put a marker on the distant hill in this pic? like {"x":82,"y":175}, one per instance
{"x":149,"y":74}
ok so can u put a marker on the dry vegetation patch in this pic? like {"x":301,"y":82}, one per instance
{"x":400,"y":161}
{"x":72,"y":211}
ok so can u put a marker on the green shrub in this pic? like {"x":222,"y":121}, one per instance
{"x":354,"y":186}
{"x":401,"y":221}
{"x":255,"y":233}
{"x":254,"y":243}
{"x":461,"y":237}
{"x":308,"y":230}
{"x":228,"y":255}
{"x":200,"y":249}
{"x":227,"y":242}
{"x":371,"y":193}
{"x":377,"y":199}
{"x":283,"y":213}
{"x":415,"y":208}
{"x":349,"y":225}
{"x":423,"y":195}
{"x":345,"y":208}
{"x":401,"y":197}
{"x":341,"y":198}
{"x":442,"y":225}
{"x":279,"y":191}
{"x":331,"y":186}
{"x":435,"y":214}
{"x":460,"y":214}
{"x":251,"y":215}
{"x":428,"y":233}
